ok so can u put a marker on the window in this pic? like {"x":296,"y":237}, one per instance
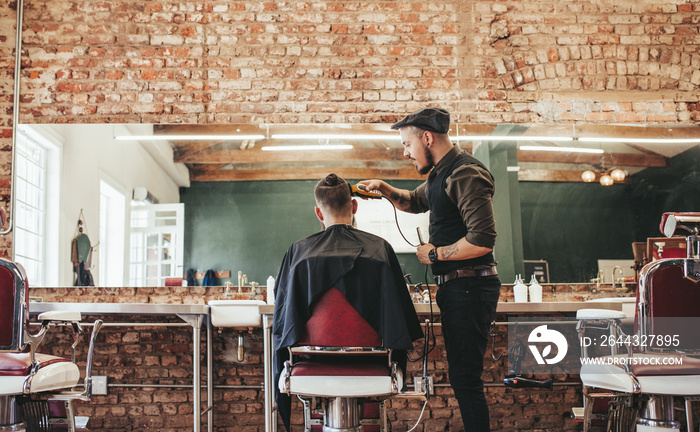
{"x":157,"y":243}
{"x":112,"y":235}
{"x":37,"y":177}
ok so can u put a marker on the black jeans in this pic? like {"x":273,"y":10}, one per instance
{"x":467,"y":308}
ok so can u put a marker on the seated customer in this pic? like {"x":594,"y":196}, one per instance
{"x":360,"y":265}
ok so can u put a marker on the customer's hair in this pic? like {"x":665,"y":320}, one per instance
{"x":332,"y":193}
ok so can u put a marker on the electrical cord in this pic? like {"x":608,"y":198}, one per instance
{"x":419,"y":417}
{"x":430,"y":328}
{"x":396,"y":218}
{"x":432,"y":342}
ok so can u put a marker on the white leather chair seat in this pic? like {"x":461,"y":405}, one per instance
{"x":348,"y":379}
{"x":611,"y":375}
{"x":340,"y":386}
{"x":56,"y":375}
{"x":599,"y":314}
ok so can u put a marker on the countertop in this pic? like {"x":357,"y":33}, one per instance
{"x":267,"y":309}
{"x":511,"y":307}
{"x":121,"y":308}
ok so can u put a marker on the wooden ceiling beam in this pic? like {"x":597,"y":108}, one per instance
{"x":542,"y":175}
{"x":202,"y":168}
{"x":208,"y":129}
{"x":258,"y":156}
{"x":607,"y":159}
{"x":525,"y":175}
{"x":407,"y":173}
{"x":191,"y":147}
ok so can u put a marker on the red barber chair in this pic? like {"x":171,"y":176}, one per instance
{"x":340,"y":370}
{"x":643,"y":372}
{"x":35,"y":389}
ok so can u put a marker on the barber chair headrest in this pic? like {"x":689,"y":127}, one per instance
{"x":680,"y":224}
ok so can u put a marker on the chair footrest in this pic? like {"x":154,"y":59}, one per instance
{"x":411,"y":395}
{"x":81,"y":423}
{"x":577,"y":413}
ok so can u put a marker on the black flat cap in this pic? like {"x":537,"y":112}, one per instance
{"x":431,"y":119}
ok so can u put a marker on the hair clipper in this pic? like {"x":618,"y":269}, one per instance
{"x":360,"y":190}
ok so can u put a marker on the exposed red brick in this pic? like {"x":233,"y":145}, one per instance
{"x":91,"y":61}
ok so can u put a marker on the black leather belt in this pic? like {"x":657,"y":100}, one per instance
{"x":460,"y":273}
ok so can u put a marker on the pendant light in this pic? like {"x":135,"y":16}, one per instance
{"x":588,"y":176}
{"x":618,"y":175}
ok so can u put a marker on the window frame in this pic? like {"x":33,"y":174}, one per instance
{"x":48,"y":232}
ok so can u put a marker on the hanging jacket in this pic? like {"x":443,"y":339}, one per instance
{"x":209,"y":278}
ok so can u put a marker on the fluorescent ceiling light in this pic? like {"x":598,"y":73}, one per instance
{"x":187,"y":137}
{"x":337,"y":136}
{"x":562,"y":149}
{"x":307,"y":147}
{"x":643,"y":140}
{"x":510,"y":138}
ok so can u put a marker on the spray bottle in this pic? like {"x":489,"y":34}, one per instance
{"x":520,"y":290}
{"x":535,"y":290}
{"x":270,"y":291}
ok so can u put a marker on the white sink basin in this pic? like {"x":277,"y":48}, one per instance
{"x":628,"y":303}
{"x":235,"y":313}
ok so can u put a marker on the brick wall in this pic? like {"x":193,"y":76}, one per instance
{"x":358,"y":61}
{"x":163,"y":356}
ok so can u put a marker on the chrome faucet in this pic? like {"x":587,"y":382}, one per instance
{"x":621,"y":279}
{"x":600,"y":278}
{"x":254,"y":289}
{"x":242,"y":280}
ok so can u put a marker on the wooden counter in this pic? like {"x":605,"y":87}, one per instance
{"x":510,"y":307}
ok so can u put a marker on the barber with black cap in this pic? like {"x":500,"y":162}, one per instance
{"x":458,"y":193}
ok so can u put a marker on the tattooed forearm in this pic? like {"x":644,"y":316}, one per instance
{"x":449,"y":251}
{"x":402,"y":200}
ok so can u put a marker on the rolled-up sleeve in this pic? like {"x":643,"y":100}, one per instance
{"x":471,"y":188}
{"x":419,"y":199}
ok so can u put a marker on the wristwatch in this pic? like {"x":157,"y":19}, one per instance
{"x":432,"y":255}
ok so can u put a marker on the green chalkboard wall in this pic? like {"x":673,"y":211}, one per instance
{"x":572,"y":225}
{"x":248,"y":226}
{"x":675,"y":188}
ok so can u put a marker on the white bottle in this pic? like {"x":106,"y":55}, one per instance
{"x":270,"y":290}
{"x":535,"y":290}
{"x":520,"y":290}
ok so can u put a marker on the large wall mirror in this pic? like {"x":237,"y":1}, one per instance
{"x":159,"y":200}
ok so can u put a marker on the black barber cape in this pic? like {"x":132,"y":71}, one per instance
{"x":365,"y":269}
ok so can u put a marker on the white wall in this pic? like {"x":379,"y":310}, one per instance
{"x":90,"y":152}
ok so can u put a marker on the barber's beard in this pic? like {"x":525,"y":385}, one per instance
{"x":430,"y":162}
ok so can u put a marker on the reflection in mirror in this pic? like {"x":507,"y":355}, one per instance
{"x":236,"y":200}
